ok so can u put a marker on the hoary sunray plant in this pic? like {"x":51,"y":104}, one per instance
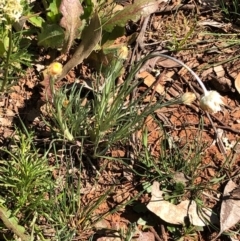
{"x":110,"y":116}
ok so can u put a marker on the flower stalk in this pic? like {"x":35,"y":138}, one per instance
{"x":205,"y":91}
{"x":9,"y":52}
{"x":211,"y":100}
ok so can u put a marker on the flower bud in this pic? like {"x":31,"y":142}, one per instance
{"x":188,"y":98}
{"x":54,"y":69}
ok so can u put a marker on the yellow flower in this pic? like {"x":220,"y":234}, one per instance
{"x":188,"y":98}
{"x":54,"y":69}
{"x":212,"y":102}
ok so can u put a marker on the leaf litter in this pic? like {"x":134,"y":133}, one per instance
{"x":230,"y":208}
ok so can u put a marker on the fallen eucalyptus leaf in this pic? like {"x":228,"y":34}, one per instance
{"x":212,"y":23}
{"x":177,"y":214}
{"x":91,"y":35}
{"x":201,"y":217}
{"x":71,"y":11}
{"x":174,"y":214}
{"x":230,"y":208}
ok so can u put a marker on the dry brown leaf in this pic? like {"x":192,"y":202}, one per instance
{"x":10,"y":113}
{"x":180,"y":177}
{"x":202,"y":218}
{"x":149,"y":98}
{"x":167,"y":63}
{"x":237,"y":83}
{"x":149,"y":80}
{"x":206,"y":72}
{"x":46,"y":92}
{"x":212,"y":23}
{"x":71,"y":11}
{"x":230,"y":208}
{"x":91,"y":32}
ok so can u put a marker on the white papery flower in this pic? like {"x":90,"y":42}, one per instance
{"x":212,"y":101}
{"x":10,"y":10}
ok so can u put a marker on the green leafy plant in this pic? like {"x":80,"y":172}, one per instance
{"x":25,"y":178}
{"x":110,"y":117}
{"x":70,"y":116}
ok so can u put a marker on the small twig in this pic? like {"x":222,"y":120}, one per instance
{"x":223,"y":126}
{"x":7,"y":65}
{"x":140,"y":38}
{"x":93,"y":167}
{"x":164,"y":235}
{"x":155,"y":234}
{"x":210,"y":196}
{"x":139,"y":41}
{"x":220,"y":143}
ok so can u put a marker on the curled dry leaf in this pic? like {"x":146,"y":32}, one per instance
{"x":177,"y":214}
{"x":230,"y":208}
{"x":91,"y":35}
{"x":71,"y":11}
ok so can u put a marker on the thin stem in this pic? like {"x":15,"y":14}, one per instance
{"x":8,"y":59}
{"x":205,"y":91}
